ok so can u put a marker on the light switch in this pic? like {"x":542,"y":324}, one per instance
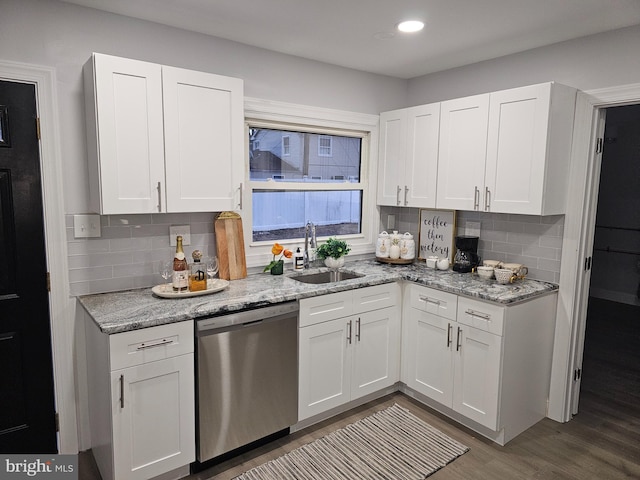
{"x":184,"y":230}
{"x":391,"y":222}
{"x":86,"y":226}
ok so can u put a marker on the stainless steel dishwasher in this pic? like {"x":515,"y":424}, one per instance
{"x":247,"y":377}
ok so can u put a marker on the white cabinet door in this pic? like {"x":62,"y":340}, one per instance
{"x":517,"y":149}
{"x":125,"y":134}
{"x":477,"y":361}
{"x":409,"y":156}
{"x":376,"y":351}
{"x":325,"y":366}
{"x":153,"y":417}
{"x":204,"y":148}
{"x":462,"y":152}
{"x":421,"y":166}
{"x":392,"y":152}
{"x":429,"y":366}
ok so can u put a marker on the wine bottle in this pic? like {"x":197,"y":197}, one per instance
{"x":180,"y":277}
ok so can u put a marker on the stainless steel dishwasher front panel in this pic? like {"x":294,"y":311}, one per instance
{"x":247,"y":377}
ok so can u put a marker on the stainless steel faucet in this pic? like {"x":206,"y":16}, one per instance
{"x":309,"y":242}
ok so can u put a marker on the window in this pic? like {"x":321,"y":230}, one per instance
{"x":324,"y":146}
{"x":281,"y":211}
{"x":308,"y":164}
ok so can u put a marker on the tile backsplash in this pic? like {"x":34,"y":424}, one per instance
{"x":129,"y":249}
{"x":532,"y":240}
{"x":127,"y":253}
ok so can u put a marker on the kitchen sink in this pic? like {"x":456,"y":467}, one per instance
{"x":326,"y":277}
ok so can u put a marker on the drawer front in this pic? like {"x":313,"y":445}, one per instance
{"x":325,"y":307}
{"x":481,"y":315}
{"x":376,"y":297}
{"x":150,"y":344}
{"x":433,"y":301}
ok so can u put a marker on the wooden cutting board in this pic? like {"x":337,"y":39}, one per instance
{"x":232,"y":262}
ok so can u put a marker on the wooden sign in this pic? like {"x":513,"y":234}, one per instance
{"x":437,"y":231}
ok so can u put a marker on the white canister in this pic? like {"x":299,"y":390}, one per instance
{"x":407,"y":247}
{"x":382,"y":245}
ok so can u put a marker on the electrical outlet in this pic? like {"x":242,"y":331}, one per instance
{"x":391,"y":222}
{"x":86,"y":226}
{"x":184,"y":230}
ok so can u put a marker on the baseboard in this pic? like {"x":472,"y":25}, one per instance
{"x":620,"y":297}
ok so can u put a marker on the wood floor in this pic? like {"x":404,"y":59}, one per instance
{"x":602,"y":442}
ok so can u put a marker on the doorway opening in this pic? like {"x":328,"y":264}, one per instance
{"x":611,"y":358}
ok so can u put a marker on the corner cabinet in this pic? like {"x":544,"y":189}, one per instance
{"x":485,"y":365}
{"x":507,"y":151}
{"x":141,"y":401}
{"x":408,"y":156}
{"x":162,"y":139}
{"x":349,"y":346}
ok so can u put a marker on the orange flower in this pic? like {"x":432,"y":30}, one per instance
{"x":277,"y":249}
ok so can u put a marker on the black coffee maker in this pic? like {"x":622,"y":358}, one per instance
{"x":466,"y":258}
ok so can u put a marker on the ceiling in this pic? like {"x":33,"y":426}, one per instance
{"x":360,"y":34}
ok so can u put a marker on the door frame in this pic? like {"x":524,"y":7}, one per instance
{"x":577,"y":244}
{"x":60,"y":304}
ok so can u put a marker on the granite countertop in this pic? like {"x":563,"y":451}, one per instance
{"x":133,"y":309}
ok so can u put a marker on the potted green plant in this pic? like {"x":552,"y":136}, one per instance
{"x":333,"y":252}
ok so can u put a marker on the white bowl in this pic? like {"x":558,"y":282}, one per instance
{"x":485,"y":272}
{"x":503,"y":275}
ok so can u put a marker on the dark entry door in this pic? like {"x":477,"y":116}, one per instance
{"x":27,"y":413}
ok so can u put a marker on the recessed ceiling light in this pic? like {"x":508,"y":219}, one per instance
{"x":411,"y":26}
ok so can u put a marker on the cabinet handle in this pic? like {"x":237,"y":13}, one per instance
{"x":349,"y":334}
{"x":487,"y":199}
{"x":240,"y":204}
{"x":406,"y":190}
{"x":476,"y":198}
{"x":483,"y":316}
{"x":422,"y":298}
{"x":122,"y":391}
{"x":458,"y":344}
{"x":398,"y":195}
{"x":449,"y":327}
{"x":358,"y":329}
{"x":153,"y":345}
{"x":159,"y":188}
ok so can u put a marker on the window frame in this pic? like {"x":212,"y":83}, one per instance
{"x":286,"y":116}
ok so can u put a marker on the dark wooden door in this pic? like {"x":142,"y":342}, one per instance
{"x":27,"y":412}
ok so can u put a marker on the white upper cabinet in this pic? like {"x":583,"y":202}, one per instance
{"x":463,"y":145}
{"x":162,"y":139}
{"x":528,"y":149}
{"x":125,"y":134}
{"x":204,"y":148}
{"x":508,"y":151}
{"x":409,"y":156}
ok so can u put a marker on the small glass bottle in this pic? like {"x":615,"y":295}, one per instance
{"x":180,"y":275}
{"x":197,"y":276}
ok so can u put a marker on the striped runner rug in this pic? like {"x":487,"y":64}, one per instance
{"x":391,"y":444}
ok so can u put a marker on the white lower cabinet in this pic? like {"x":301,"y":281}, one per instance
{"x":479,"y":362}
{"x":141,"y":401}
{"x":349,"y":346}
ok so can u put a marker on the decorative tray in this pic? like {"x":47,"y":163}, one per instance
{"x":398,"y":261}
{"x":213,"y":286}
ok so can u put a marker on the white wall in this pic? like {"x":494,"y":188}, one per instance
{"x":596,"y":61}
{"x":63,"y":36}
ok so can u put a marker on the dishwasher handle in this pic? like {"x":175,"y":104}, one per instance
{"x":211,"y":325}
